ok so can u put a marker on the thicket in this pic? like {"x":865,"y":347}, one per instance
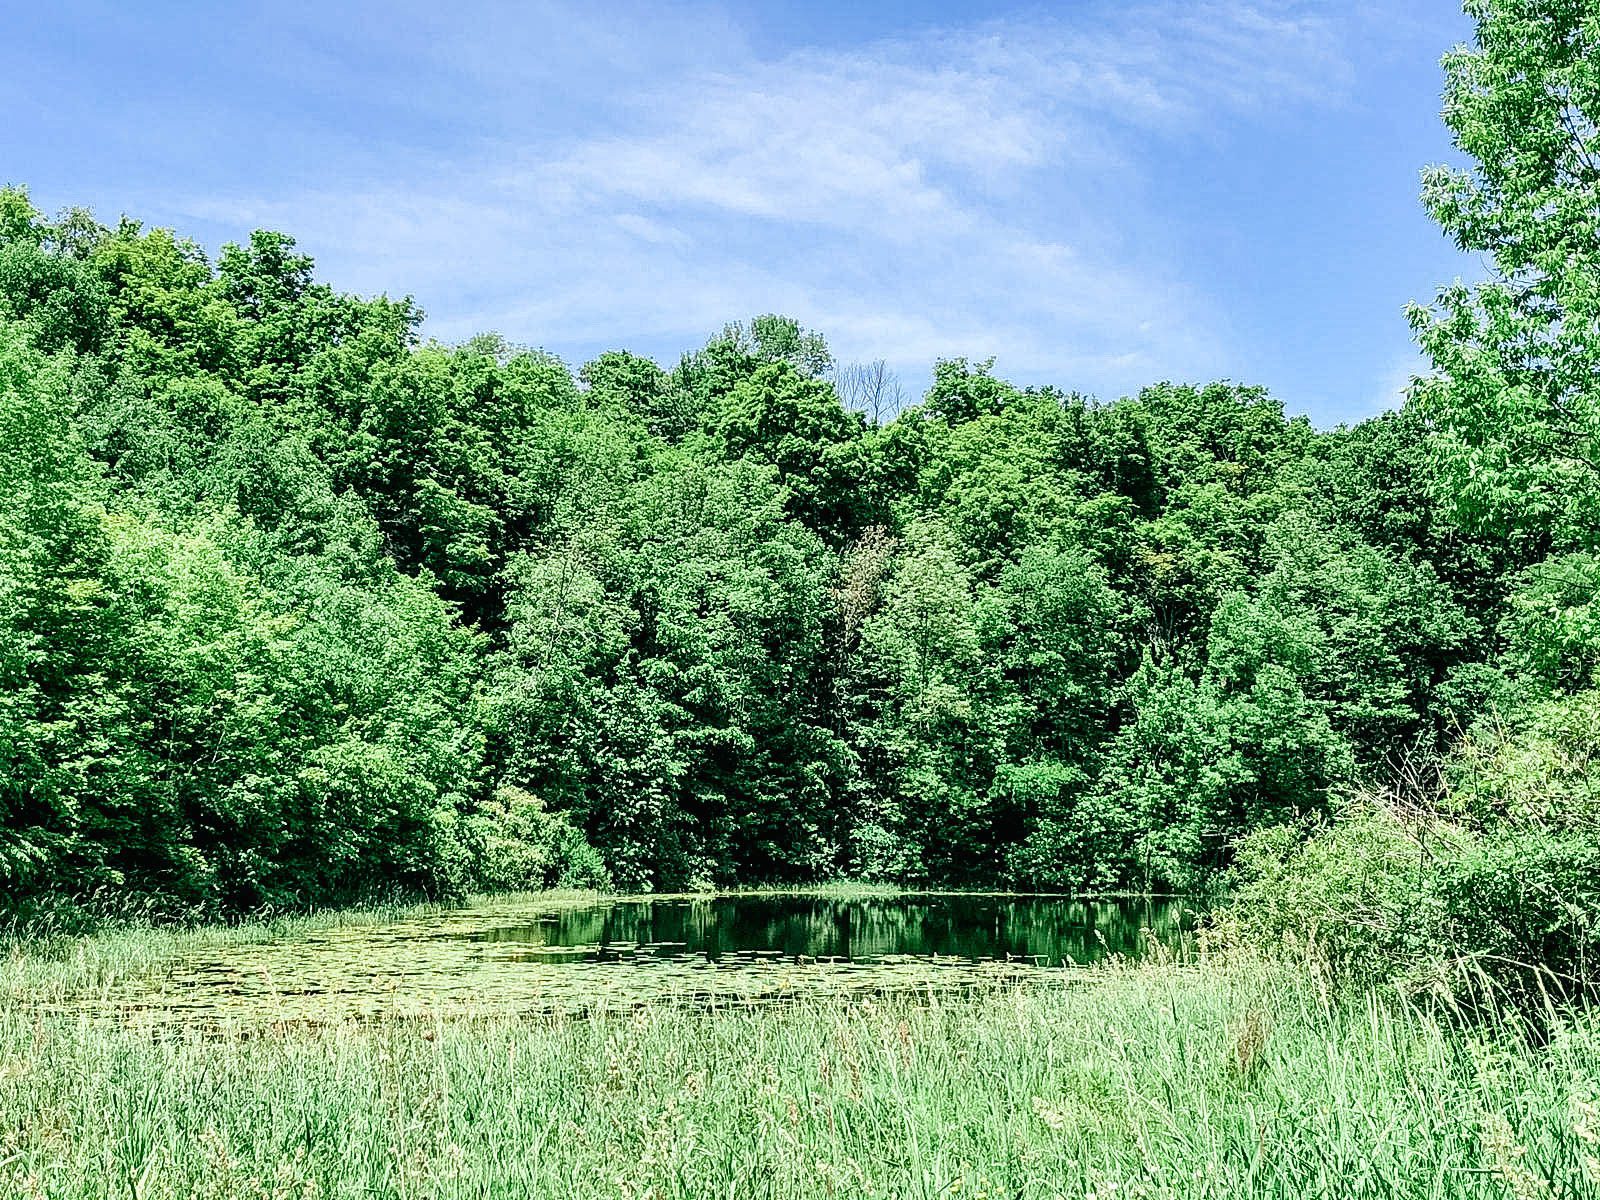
{"x":1479,"y":874}
{"x":297,"y":606}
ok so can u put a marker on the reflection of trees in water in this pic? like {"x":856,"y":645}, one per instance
{"x":979,"y":927}
{"x":992,"y":927}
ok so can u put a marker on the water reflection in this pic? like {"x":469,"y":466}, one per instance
{"x":1046,"y":930}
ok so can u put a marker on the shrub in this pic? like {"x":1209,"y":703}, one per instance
{"x":1519,"y":908}
{"x":1353,"y":894}
{"x":1508,"y":913}
{"x":511,"y":842}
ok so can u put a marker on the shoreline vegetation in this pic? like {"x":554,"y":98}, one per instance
{"x":1225,"y":1074}
{"x":1220,"y":1072}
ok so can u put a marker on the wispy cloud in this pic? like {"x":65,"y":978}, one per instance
{"x":976,"y":190}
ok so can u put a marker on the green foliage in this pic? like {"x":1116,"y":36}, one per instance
{"x":1490,"y":889}
{"x":183,"y":726}
{"x":1513,"y":396}
{"x":298,"y":606}
{"x":1482,"y":883}
{"x":1506,"y":914}
{"x":1551,"y":628}
{"x":509,"y":842}
{"x":304,"y":607}
{"x":780,"y":416}
{"x":1357,"y":897}
{"x":665,"y":674}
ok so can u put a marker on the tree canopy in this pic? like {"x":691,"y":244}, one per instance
{"x":298,"y":605}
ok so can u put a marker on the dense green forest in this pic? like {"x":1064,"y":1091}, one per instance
{"x":298,"y":606}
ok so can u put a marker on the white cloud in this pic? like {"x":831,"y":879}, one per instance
{"x":968,"y":191}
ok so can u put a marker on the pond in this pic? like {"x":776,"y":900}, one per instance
{"x":1043,"y":930}
{"x":500,"y":957}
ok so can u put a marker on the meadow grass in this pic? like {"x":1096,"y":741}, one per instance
{"x":1205,"y":1079}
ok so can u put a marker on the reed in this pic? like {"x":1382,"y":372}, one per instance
{"x":1166,"y":1079}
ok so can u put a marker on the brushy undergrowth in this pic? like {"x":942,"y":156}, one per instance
{"x":1209,"y":1079}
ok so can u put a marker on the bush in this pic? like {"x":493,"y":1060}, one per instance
{"x":1352,"y":895}
{"x":511,"y":843}
{"x":1520,"y":907}
{"x":1536,"y":770}
{"x":1508,"y":914}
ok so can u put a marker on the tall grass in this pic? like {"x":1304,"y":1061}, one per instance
{"x":1162,"y":1080}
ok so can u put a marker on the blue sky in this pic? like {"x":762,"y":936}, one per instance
{"x":1099,"y":195}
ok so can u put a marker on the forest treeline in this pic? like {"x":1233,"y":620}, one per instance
{"x":296,"y":605}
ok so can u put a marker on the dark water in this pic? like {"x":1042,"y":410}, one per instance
{"x":1041,"y":929}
